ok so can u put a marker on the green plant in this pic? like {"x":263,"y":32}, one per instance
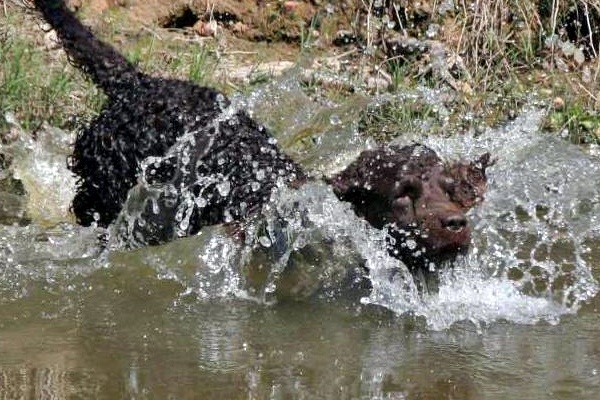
{"x":577,"y":123}
{"x":307,"y":33}
{"x":14,"y":82}
{"x":35,"y":92}
{"x":398,"y":71}
{"x":388,"y":120}
{"x":199,"y":67}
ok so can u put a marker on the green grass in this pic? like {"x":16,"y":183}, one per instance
{"x":37,"y":85}
{"x":34,"y":91}
{"x":500,"y":43}
{"x":579,"y":124}
{"x":398,"y":72}
{"x":388,"y":120}
{"x":194,"y":61}
{"x":200,"y":69}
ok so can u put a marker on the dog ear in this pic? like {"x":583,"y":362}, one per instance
{"x":351,"y":186}
{"x":355,"y":177}
{"x":339,"y":184}
{"x":368,"y":204}
{"x":373,"y":170}
{"x":470,"y":180}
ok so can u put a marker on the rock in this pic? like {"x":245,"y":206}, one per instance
{"x":558,"y":103}
{"x":578,"y":56}
{"x":51,"y":41}
{"x":379,"y":83}
{"x":12,"y":207}
{"x":345,"y":37}
{"x":206,"y":29}
{"x":290,"y":6}
{"x":401,"y":45}
{"x":74,"y":4}
{"x":240,"y":27}
{"x":246,"y":73}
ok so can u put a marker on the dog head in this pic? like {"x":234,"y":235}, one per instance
{"x":421,"y":201}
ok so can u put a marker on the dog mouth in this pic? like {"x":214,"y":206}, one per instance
{"x":419,"y":247}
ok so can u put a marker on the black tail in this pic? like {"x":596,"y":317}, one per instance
{"x":108,"y":69}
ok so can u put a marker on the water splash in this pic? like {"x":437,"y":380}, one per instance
{"x":329,"y":247}
{"x":40,"y":165}
{"x":528,"y":261}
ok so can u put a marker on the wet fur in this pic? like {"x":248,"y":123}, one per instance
{"x":155,"y":121}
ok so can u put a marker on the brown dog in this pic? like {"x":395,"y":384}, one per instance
{"x":419,"y":199}
{"x":202,"y":163}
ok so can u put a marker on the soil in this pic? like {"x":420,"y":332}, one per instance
{"x":253,"y":20}
{"x":327,"y":25}
{"x":382,"y":45}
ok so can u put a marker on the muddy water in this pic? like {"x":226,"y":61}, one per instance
{"x":517,"y":318}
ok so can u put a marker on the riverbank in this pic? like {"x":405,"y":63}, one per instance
{"x":484,"y":61}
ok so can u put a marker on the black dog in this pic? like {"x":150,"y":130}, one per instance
{"x":205,"y":164}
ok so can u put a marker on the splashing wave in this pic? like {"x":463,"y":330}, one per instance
{"x":529,"y":260}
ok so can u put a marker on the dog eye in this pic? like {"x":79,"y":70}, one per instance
{"x":448,"y":184}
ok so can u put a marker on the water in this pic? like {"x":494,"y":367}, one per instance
{"x":198,"y":318}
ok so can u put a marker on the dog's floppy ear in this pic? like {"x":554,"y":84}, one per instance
{"x":339,"y":184}
{"x":470,"y":180}
{"x":366,"y":203}
{"x":356,"y":176}
{"x":352,"y":185}
{"x":348,"y":185}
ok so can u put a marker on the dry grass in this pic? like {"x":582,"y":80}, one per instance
{"x":492,"y":53}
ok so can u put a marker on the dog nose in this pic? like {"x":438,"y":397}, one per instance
{"x":454,"y":222}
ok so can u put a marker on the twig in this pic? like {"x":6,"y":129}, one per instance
{"x":462,"y":30}
{"x":369,"y":12}
{"x":589,"y":26}
{"x":397,"y":12}
{"x":153,"y":32}
{"x":587,"y":91}
{"x":554,"y":22}
{"x":239,"y":52}
{"x":342,"y":55}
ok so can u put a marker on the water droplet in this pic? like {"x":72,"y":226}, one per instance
{"x":184,"y":224}
{"x":10,"y":118}
{"x":264,"y":241}
{"x":224,"y":188}
{"x":335,"y":119}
